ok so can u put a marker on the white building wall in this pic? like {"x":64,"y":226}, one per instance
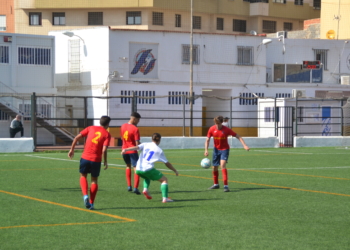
{"x":311,"y":122}
{"x":109,"y":51}
{"x":28,"y":78}
{"x":218,"y":57}
{"x":299,"y":50}
{"x":24,"y":79}
{"x":94,"y":69}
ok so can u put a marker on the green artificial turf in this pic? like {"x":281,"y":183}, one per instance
{"x":283,"y":198}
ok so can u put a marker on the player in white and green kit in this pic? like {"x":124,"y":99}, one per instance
{"x":151,"y":153}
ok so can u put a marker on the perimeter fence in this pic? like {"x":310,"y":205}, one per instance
{"x":62,"y":117}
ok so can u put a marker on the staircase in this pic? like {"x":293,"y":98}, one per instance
{"x":65,"y":136}
{"x":4,"y":108}
{"x":11,"y":110}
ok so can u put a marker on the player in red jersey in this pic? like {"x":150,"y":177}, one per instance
{"x":221,"y":150}
{"x":131,"y":137}
{"x":97,"y":141}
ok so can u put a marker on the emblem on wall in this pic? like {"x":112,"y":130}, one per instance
{"x":144,"y":60}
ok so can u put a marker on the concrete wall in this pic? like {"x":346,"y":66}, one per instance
{"x":321,"y":141}
{"x":16,"y":145}
{"x":198,"y":142}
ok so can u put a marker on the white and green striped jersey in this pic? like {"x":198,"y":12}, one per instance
{"x":150,"y":153}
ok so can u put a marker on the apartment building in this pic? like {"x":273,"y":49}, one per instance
{"x":7,"y":21}
{"x":335,"y":19}
{"x":209,"y":16}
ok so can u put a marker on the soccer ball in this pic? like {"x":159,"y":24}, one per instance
{"x":205,"y":163}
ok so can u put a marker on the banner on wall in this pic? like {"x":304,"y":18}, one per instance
{"x":143,"y":63}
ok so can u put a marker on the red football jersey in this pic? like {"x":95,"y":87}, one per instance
{"x":130,"y":134}
{"x":220,"y":136}
{"x":97,"y":137}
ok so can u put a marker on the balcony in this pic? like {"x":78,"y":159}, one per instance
{"x":259,"y":8}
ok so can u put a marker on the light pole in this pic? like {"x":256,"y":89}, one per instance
{"x":191,"y":73}
{"x":71,"y":34}
{"x":281,"y":38}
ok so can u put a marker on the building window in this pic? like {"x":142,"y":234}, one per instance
{"x":239,"y":25}
{"x":74,"y":60}
{"x":25,"y":110}
{"x":176,"y":97}
{"x":2,"y":22}
{"x":4,"y":54}
{"x":321,"y":55}
{"x":95,"y":18}
{"x":197,"y":22}
{"x":283,"y":95}
{"x":157,"y":18}
{"x":257,"y":1}
{"x":317,"y":4}
{"x":296,"y":74}
{"x":298,"y":2}
{"x":269,"y":114}
{"x":142,"y":97}
{"x":300,"y":114}
{"x":133,"y":17}
{"x":278,"y":72}
{"x":177,"y":20}
{"x":248,"y":98}
{"x":219,"y":23}
{"x":34,"y":56}
{"x":42,"y":110}
{"x":4,"y":116}
{"x":59,"y":18}
{"x":287,"y":26}
{"x":245,"y":55}
{"x":186,"y":54}
{"x":269,"y":26}
{"x":34,"y":18}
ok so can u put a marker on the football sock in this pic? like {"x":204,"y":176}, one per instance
{"x":224,"y":176}
{"x":216,"y":177}
{"x":84,"y":185}
{"x":128,"y":176}
{"x":164,"y":189}
{"x":93,"y":192}
{"x":136,"y":180}
{"x":146,"y":183}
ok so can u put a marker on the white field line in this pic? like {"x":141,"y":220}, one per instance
{"x":190,"y":170}
{"x":282,"y":152}
{"x":59,"y":159}
{"x":242,"y":169}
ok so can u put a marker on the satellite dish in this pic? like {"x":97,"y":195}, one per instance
{"x":330,"y":34}
{"x":253,"y":33}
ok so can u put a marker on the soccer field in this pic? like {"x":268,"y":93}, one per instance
{"x":281,"y":198}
